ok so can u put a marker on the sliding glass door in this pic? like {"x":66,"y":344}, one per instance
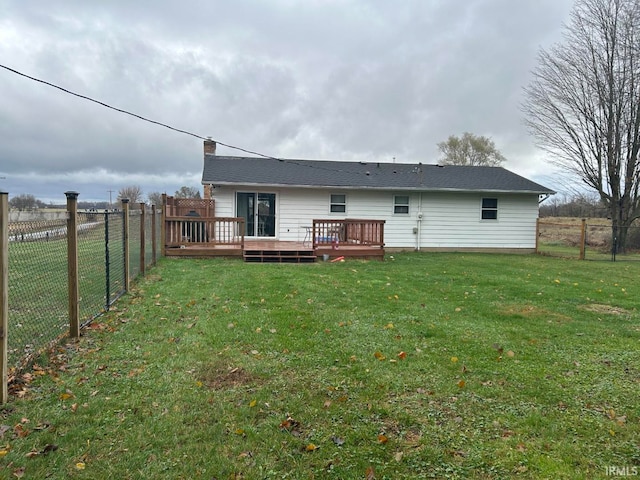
{"x":259,"y":213}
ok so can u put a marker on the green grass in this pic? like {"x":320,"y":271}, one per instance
{"x":513,"y":367}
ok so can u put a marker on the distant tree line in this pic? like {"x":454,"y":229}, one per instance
{"x":26,"y":202}
{"x":579,"y":206}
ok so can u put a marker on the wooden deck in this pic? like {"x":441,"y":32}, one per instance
{"x":263,"y":251}
{"x":191,"y":229}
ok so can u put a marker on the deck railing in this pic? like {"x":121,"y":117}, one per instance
{"x":191,"y":230}
{"x":349,"y":231}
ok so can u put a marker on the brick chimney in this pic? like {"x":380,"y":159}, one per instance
{"x":209,"y":147}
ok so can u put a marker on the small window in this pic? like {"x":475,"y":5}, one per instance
{"x":338,"y":204}
{"x":489,"y":208}
{"x":401,"y":204}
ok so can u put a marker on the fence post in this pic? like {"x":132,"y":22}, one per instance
{"x":142,"y":232}
{"x":583,"y":238}
{"x":107,"y":263}
{"x":4,"y":295}
{"x":154,"y":243}
{"x":163,"y":226}
{"x":537,"y":235}
{"x":125,"y":241}
{"x":72,"y":264}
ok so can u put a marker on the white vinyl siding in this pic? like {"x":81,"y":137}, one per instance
{"x":450,"y":220}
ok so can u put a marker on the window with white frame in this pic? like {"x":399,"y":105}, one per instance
{"x":338,"y":203}
{"x":401,"y":204}
{"x":489,"y":209}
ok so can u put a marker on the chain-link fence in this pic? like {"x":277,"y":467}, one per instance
{"x":37,"y":287}
{"x":100,"y":261}
{"x":593,"y":240}
{"x":38,"y":279}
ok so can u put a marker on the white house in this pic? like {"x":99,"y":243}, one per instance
{"x":425,"y":207}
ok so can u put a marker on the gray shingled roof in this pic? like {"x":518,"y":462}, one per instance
{"x":224,"y":170}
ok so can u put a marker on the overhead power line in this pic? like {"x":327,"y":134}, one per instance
{"x":126,"y":112}
{"x":185,"y":132}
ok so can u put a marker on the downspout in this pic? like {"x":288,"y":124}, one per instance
{"x":419,"y":222}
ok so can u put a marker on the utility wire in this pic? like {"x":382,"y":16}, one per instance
{"x":301,"y":163}
{"x":84,"y":97}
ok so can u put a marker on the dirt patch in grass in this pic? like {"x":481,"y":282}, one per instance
{"x":533,"y":312}
{"x":605,"y":309}
{"x":221,"y":377}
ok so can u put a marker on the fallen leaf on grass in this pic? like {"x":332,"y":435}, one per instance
{"x":4,"y":450}
{"x":370,"y":473}
{"x":310,"y":448}
{"x":253,"y":403}
{"x":18,"y":472}
{"x":382,"y":438}
{"x":80,"y":466}
{"x":292,"y":426}
{"x":337,"y":440}
{"x":402,"y":355}
{"x":45,"y":451}
{"x":461,"y":384}
{"x":66,"y":395}
{"x":19,"y":431}
{"x":379,"y":356}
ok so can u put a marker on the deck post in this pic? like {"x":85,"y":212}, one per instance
{"x":4,"y":296}
{"x":72,"y":264}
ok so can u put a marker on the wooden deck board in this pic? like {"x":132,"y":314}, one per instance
{"x":269,"y":249}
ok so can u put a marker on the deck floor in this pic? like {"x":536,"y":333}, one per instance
{"x":268,"y":248}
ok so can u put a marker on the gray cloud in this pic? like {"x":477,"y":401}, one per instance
{"x":335,"y":79}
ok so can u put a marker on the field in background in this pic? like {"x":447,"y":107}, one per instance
{"x":561,"y":236}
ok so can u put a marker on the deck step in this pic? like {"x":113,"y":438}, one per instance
{"x":279,"y":256}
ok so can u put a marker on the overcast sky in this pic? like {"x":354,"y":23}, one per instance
{"x":311,"y":79}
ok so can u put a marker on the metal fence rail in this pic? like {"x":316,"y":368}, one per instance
{"x":35,"y":305}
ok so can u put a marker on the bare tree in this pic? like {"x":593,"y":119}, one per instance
{"x":470,"y":149}
{"x":26,"y":201}
{"x":187,"y":192}
{"x":583,"y":104}
{"x":133,"y":193}
{"x":155,"y":198}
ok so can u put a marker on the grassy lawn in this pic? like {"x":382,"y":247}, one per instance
{"x":422,"y":366}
